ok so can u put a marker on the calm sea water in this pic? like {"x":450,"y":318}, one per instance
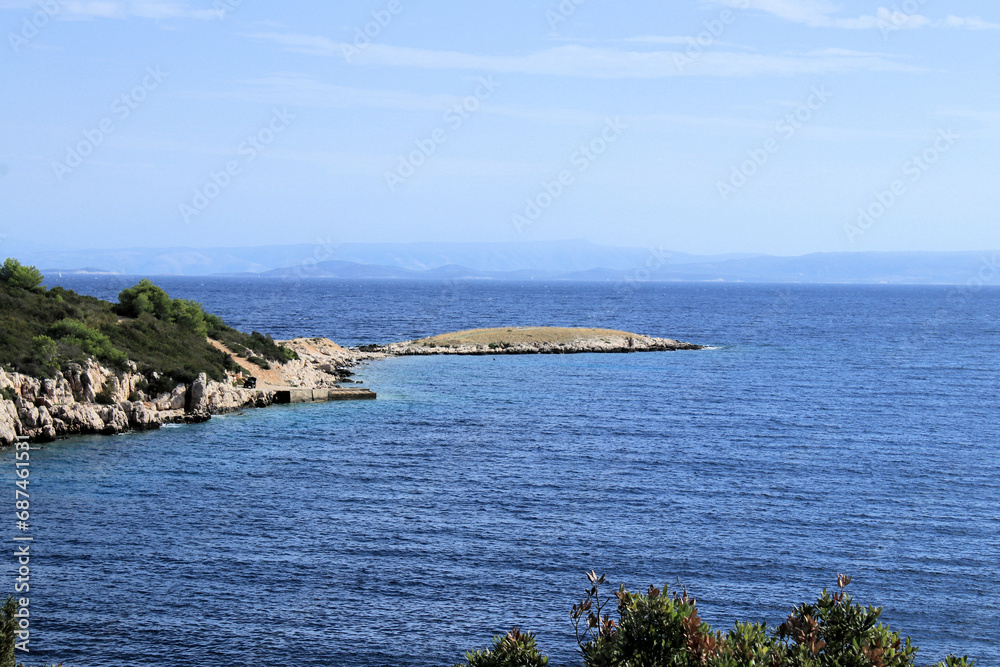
{"x":832,"y":429}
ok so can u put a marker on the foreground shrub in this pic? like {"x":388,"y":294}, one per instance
{"x":660,"y":629}
{"x":515,"y":649}
{"x":8,"y":632}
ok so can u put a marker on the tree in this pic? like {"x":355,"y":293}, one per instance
{"x":15,"y":274}
{"x":144,"y":297}
{"x":188,"y":315}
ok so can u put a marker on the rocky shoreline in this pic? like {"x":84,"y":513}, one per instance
{"x":607,"y":343}
{"x":93,"y":399}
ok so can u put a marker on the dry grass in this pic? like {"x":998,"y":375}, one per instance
{"x":515,"y":335}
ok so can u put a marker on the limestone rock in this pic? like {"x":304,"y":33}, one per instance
{"x":8,"y":429}
{"x":115,"y":419}
{"x":197,"y":394}
{"x":174,"y":400}
{"x":142,"y":418}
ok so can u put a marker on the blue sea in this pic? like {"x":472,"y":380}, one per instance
{"x":829,"y":429}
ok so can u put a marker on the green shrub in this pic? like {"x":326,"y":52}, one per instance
{"x":103,"y":397}
{"x":515,"y":649}
{"x":249,"y":346}
{"x":188,"y":315}
{"x":659,"y":629}
{"x":77,"y":334}
{"x":45,"y":349}
{"x":18,"y":276}
{"x":161,"y":384}
{"x":143,"y":297}
{"x":260,"y":362}
{"x":8,"y":632}
{"x":9,"y":394}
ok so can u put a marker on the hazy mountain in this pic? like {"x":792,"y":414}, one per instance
{"x":572,"y":260}
{"x":561,"y":256}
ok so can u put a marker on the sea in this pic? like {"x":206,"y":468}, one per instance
{"x":827,"y":429}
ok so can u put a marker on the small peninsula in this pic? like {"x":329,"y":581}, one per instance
{"x":532,"y":340}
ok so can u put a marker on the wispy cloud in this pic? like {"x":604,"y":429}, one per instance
{"x":306,"y":90}
{"x":823,"y":14}
{"x":119,"y":9}
{"x":971,"y":23}
{"x":599,"y":63}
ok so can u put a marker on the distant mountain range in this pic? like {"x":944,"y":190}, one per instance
{"x":572,"y":260}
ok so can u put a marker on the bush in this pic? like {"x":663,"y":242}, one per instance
{"x":44,"y":349}
{"x":103,"y":397}
{"x":161,"y":384}
{"x":8,"y":632}
{"x":659,"y":629}
{"x":143,"y":297}
{"x":260,"y":362}
{"x":74,"y":333}
{"x":248,"y":346}
{"x":188,"y":315}
{"x":515,"y":649}
{"x":16,"y":275}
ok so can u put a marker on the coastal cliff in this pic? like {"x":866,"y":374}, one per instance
{"x":90,"y":398}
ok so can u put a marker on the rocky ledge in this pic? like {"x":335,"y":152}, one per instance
{"x":93,"y":399}
{"x":532,"y":340}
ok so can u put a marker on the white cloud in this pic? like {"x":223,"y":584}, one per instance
{"x":598,"y":63}
{"x":971,"y":23}
{"x":822,"y":14}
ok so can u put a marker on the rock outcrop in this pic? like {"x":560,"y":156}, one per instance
{"x":92,"y":399}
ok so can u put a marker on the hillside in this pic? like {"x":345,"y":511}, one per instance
{"x":42,"y":331}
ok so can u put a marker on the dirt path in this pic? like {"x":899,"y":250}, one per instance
{"x":266,"y":379}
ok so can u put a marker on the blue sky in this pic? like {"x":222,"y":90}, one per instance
{"x":715,"y":126}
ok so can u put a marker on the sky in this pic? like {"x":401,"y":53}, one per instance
{"x":714,"y":126}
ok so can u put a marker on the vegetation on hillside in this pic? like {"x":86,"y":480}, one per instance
{"x":658,"y":629}
{"x":43,"y":330}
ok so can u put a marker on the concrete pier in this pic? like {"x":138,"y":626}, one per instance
{"x":299,"y":395}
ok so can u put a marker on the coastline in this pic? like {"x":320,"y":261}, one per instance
{"x":92,"y":399}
